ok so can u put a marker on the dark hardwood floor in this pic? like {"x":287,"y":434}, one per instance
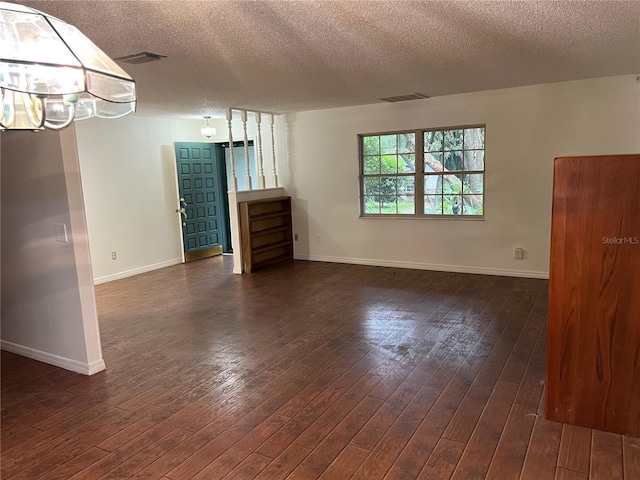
{"x":305,"y":371}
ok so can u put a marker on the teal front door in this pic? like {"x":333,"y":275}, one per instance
{"x":202,"y":186}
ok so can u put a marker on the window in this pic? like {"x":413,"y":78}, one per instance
{"x":389,"y":165}
{"x":424,"y":173}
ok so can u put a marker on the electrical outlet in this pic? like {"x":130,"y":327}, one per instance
{"x":60,"y":232}
{"x":295,"y":237}
{"x":113,"y":255}
{"x":519,"y":254}
{"x":317,"y":238}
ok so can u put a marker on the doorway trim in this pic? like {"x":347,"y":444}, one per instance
{"x":222,"y":203}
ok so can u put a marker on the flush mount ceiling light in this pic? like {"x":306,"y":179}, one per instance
{"x":51,"y":74}
{"x":207,"y":130}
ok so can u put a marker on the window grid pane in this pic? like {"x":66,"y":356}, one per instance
{"x":372,"y":164}
{"x":454,"y":151}
{"x":452,"y":162}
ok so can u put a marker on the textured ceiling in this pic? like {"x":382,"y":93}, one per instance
{"x":280,"y":56}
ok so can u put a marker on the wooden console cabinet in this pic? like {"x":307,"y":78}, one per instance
{"x":265,"y":232}
{"x":593,"y":345}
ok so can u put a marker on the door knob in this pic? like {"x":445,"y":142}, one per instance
{"x":183,"y":211}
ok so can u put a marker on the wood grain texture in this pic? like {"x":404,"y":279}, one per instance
{"x":301,"y":371}
{"x":593,"y":370}
{"x":509,"y":457}
{"x":249,"y":468}
{"x":631,"y":457}
{"x":606,"y":456}
{"x":476,"y":459}
{"x":575,"y":448}
{"x":443,"y":460}
{"x":564,"y":474}
{"x":542,"y":454}
{"x":345,"y":464}
{"x":266,"y":235}
{"x":320,"y":458}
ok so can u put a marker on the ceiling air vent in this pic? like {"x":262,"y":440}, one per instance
{"x":404,"y":98}
{"x":142,"y":57}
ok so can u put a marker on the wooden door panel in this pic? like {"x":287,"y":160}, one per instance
{"x":593,"y":355}
{"x":204,"y":191}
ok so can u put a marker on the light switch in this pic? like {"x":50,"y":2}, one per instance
{"x":60,"y":232}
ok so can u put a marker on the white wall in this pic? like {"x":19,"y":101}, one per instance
{"x":525,"y":129}
{"x":128,"y":170}
{"x":48,"y":302}
{"x":130,"y":191}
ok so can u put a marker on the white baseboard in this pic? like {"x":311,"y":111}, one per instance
{"x":424,"y":266}
{"x":52,"y":359}
{"x":136,"y":271}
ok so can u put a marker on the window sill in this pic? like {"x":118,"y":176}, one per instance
{"x":424,"y":217}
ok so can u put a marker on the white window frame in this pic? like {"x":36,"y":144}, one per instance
{"x":419,"y":175}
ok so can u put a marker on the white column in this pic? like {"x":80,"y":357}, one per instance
{"x":273,"y":153}
{"x":234,"y":180}
{"x":246,"y":147}
{"x":261,"y":182}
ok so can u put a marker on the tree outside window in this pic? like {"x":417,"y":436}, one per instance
{"x":445,"y":171}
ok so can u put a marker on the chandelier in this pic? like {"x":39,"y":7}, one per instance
{"x":207,"y":130}
{"x":51,"y":74}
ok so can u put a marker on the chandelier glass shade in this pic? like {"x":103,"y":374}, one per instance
{"x":207,"y":130}
{"x":51,"y":74}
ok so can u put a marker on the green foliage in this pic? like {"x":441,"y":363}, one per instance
{"x":389,"y":164}
{"x":448,"y":203}
{"x":453,"y":139}
{"x":451,"y":188}
{"x":388,"y":190}
{"x":406,"y":143}
{"x":371,"y":165}
{"x":473,"y":183}
{"x":371,"y":145}
{"x":388,"y":144}
{"x":453,"y":161}
{"x":372,"y":186}
{"x":450,"y":157}
{"x":471,"y":210}
{"x":401,"y":206}
{"x":433,"y":141}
